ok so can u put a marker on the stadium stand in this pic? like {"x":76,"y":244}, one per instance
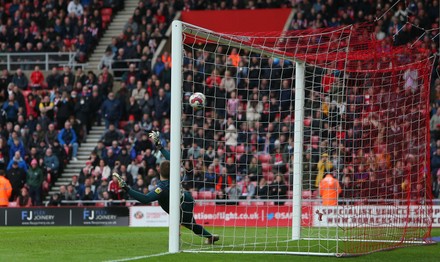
{"x":54,"y":26}
{"x":34,"y":110}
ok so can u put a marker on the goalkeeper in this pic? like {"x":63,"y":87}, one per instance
{"x":162,"y":194}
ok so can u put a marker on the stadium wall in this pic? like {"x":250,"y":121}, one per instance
{"x":222,"y":216}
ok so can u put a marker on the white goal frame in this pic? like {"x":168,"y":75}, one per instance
{"x":178,"y":30}
{"x":176,"y":124}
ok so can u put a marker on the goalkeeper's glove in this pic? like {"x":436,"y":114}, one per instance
{"x":121,"y":182}
{"x":155,"y":136}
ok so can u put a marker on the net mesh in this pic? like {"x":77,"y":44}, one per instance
{"x":365,"y":177}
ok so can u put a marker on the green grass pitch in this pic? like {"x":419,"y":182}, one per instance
{"x":116,"y":243}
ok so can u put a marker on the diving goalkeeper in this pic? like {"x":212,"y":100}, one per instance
{"x":162,"y":194}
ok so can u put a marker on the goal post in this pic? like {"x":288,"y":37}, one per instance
{"x":298,"y":149}
{"x":312,"y":142}
{"x":175,"y":155}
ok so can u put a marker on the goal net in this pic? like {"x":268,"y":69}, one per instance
{"x":311,"y":142}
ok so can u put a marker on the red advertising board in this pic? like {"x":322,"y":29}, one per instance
{"x":250,"y":216}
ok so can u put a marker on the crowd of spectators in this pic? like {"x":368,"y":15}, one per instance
{"x":53,"y":26}
{"x":244,"y":148}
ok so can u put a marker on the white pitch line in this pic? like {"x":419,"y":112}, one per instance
{"x":139,"y":257}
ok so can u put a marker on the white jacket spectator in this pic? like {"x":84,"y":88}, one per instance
{"x":228,"y":83}
{"x":75,"y":7}
{"x":231,"y":136}
{"x":106,"y":59}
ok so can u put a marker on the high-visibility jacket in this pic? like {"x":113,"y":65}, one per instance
{"x":329,"y":189}
{"x":5,"y":191}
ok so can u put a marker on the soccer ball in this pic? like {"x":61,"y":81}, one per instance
{"x":197,"y":100}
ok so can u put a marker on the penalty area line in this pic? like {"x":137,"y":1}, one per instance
{"x":138,"y":257}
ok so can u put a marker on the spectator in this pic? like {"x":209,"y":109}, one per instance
{"x":142,"y":145}
{"x":88,"y":196}
{"x":278,"y":190}
{"x":101,"y":189}
{"x":17,"y":178}
{"x":111,"y":135}
{"x":70,"y":194}
{"x":11,"y":108}
{"x":111,"y":110}
{"x":329,"y":190}
{"x":19,"y":160}
{"x":107,"y":59}
{"x":106,"y":85}
{"x":162,"y":105}
{"x":53,"y":78}
{"x":102,"y":171}
{"x":231,"y":136}
{"x":83,"y":110}
{"x":248,"y":189}
{"x":194,"y":152}
{"x":228,"y":83}
{"x":46,"y":107}
{"x":114,"y":190}
{"x":55,"y":200}
{"x":348,"y":188}
{"x":20,"y":80}
{"x":64,"y":107}
{"x":5,"y":190}
{"x":233,"y":192}
{"x":254,"y":170}
{"x":37,"y":78}
{"x":139,"y":186}
{"x":324,"y":165}
{"x":67,"y":138}
{"x":262,"y":189}
{"x":209,"y":180}
{"x":24,"y":200}
{"x":15,"y":145}
{"x":34,"y":180}
{"x":435,"y":125}
{"x":51,"y":163}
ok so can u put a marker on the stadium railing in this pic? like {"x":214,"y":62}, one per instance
{"x":46,"y":61}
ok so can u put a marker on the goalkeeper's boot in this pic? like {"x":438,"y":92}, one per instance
{"x":121,"y":181}
{"x":211,"y":240}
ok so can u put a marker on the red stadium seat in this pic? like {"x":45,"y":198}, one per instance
{"x":106,"y":20}
{"x":264,"y":158}
{"x":26,"y":93}
{"x":269,"y":176}
{"x":266,"y":167}
{"x":195,"y":194}
{"x":122,"y":124}
{"x":240,"y":149}
{"x":206,"y":195}
{"x":286,"y":177}
{"x":307,"y":122}
{"x":307,"y":194}
{"x":7,"y":6}
{"x":106,"y":11}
